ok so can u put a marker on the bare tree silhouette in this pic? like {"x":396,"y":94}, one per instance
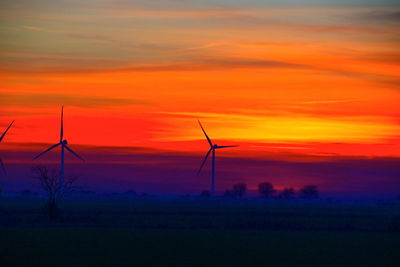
{"x":49,"y":181}
{"x":266,"y":189}
{"x":309,"y":191}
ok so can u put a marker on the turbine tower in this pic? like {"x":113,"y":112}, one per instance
{"x":1,"y":139}
{"x":63,"y":144}
{"x":213,"y":147}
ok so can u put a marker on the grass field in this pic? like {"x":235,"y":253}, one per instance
{"x":187,"y":232}
{"x":155,"y":247}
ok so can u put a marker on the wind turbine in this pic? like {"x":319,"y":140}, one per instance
{"x":213,"y":147}
{"x":63,"y":144}
{"x":1,"y":139}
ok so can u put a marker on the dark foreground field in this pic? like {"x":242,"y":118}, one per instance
{"x":194,"y":232}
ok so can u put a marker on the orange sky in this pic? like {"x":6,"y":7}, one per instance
{"x":312,"y":79}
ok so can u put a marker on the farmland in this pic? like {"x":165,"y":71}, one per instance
{"x":191,"y":231}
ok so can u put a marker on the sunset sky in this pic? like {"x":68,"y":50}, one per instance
{"x":289,"y":81}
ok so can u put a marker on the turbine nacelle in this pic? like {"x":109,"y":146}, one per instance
{"x":212,"y":149}
{"x":63,"y":143}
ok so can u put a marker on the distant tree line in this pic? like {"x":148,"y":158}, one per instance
{"x":267,"y":190}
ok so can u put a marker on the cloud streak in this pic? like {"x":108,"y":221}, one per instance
{"x":200,"y":64}
{"x":44,"y":100}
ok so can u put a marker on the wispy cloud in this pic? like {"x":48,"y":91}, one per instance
{"x":333,"y":101}
{"x":380,"y":15}
{"x":177,"y":13}
{"x":196,"y":64}
{"x":36,"y":29}
{"x":43,"y":100}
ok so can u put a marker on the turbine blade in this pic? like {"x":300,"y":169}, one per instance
{"x":225,"y":146}
{"x":62,"y":124}
{"x":208,"y":138}
{"x":47,"y":150}
{"x":9,"y":126}
{"x":76,"y":155}
{"x":3,"y":167}
{"x":204,"y":161}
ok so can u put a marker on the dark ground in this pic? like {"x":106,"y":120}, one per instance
{"x":136,"y":231}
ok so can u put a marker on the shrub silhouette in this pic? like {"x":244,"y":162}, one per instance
{"x":229,"y":193}
{"x":287,"y":193}
{"x":309,"y":192}
{"x":205,"y":194}
{"x":266,"y":189}
{"x":239,"y":189}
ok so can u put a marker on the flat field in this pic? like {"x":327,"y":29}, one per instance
{"x":134,"y":231}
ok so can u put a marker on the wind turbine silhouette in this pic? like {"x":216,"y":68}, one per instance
{"x":1,"y":139}
{"x":213,"y":147}
{"x":63,"y":144}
